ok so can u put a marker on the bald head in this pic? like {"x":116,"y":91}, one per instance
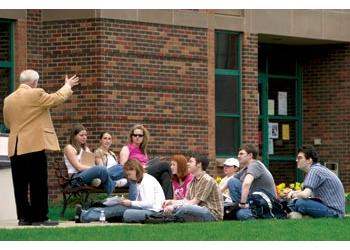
{"x":29,"y":77}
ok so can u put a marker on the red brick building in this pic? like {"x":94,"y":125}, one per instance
{"x":206,"y":80}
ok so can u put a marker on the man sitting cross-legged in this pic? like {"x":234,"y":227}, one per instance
{"x":203,"y":201}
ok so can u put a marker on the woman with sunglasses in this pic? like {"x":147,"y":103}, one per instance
{"x":80,"y":173}
{"x":181,"y":177}
{"x":136,"y":149}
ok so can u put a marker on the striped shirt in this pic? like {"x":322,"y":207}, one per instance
{"x":208,"y":193}
{"x":326,"y":186}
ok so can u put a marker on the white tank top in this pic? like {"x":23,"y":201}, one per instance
{"x":70,"y":168}
{"x":111,"y":161}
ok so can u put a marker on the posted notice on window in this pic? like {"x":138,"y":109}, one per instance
{"x":282,"y":103}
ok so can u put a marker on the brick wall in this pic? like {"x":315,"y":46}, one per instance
{"x":130,"y":73}
{"x":250,"y":90}
{"x":326,"y":113}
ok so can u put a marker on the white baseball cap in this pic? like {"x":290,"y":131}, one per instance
{"x":231,"y":162}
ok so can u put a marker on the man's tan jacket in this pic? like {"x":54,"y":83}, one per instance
{"x":27,"y":115}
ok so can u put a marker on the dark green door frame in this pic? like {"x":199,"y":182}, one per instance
{"x":263,"y":79}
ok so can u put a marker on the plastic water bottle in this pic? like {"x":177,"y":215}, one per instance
{"x":102,"y":217}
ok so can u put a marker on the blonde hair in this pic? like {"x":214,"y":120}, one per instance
{"x":146,"y":136}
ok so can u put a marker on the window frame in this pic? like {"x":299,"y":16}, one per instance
{"x":10,"y":63}
{"x":237,"y":74}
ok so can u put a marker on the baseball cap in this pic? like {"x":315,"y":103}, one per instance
{"x":231,"y":162}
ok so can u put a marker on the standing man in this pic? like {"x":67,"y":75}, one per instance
{"x":320,"y":183}
{"x":203,"y":200}
{"x":27,"y":115}
{"x":252,"y":177}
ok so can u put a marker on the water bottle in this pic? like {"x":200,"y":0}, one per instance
{"x":102,"y":217}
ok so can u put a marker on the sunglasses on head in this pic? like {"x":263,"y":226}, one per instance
{"x":137,"y":135}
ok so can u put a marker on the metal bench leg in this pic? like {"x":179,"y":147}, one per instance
{"x":65,"y":200}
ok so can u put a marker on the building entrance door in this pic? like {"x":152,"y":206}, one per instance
{"x":280,"y":118}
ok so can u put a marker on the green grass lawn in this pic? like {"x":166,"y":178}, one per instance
{"x":274,"y":230}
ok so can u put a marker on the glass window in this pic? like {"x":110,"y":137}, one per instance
{"x":4,"y":42}
{"x":6,"y":66}
{"x":227,"y":134}
{"x":226,"y":93}
{"x":226,"y":51}
{"x":227,"y":96}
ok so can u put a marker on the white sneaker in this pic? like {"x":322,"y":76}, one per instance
{"x":295,"y":215}
{"x":121,"y":183}
{"x":95,"y":182}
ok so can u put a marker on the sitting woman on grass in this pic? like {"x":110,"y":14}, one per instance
{"x":80,"y":173}
{"x":136,"y":149}
{"x":181,"y":177}
{"x":148,"y":201}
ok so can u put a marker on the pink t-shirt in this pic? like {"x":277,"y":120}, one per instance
{"x":181,"y":190}
{"x":136,"y":154}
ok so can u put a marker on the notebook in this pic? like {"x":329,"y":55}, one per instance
{"x":88,"y":158}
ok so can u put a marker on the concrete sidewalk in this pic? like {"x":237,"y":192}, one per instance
{"x":63,"y":224}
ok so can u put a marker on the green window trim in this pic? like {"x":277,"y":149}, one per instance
{"x":235,"y":73}
{"x":10,"y":63}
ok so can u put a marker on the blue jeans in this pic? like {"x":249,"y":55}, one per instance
{"x":87,"y":175}
{"x":93,"y":214}
{"x":313,"y":208}
{"x":116,"y":172}
{"x":196,"y":212}
{"x":132,"y":190}
{"x":136,"y":215}
{"x":235,"y":188}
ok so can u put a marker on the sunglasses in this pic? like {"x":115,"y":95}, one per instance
{"x":137,"y":135}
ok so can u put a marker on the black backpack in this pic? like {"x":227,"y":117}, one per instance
{"x":265,"y":206}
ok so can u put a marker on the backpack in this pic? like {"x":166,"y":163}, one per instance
{"x":265,"y":206}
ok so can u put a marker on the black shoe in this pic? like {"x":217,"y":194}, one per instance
{"x":78,"y":210}
{"x":45,"y":223}
{"x":23,"y":222}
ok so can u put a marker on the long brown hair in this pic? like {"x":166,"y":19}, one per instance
{"x":134,"y":165}
{"x":77,"y":128}
{"x":146,"y":136}
{"x":182,"y":169}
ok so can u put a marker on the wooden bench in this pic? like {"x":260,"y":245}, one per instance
{"x":80,"y":193}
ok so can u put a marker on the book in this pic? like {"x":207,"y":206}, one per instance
{"x":111,"y":201}
{"x":87,"y":158}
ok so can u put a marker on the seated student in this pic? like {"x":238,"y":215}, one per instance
{"x":203,"y":201}
{"x":106,"y":157}
{"x":137,"y":149}
{"x":231,"y":167}
{"x":321,"y":183}
{"x":181,"y":177}
{"x":252,"y":177}
{"x":148,"y":201}
{"x":78,"y":172}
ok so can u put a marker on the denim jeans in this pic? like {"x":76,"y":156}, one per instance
{"x":93,"y":214}
{"x":136,"y":215}
{"x":132,"y":190}
{"x":87,"y":175}
{"x":313,"y":208}
{"x":235,"y":188}
{"x":116,"y":172}
{"x":196,"y":212}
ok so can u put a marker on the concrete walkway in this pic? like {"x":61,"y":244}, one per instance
{"x":63,"y":224}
